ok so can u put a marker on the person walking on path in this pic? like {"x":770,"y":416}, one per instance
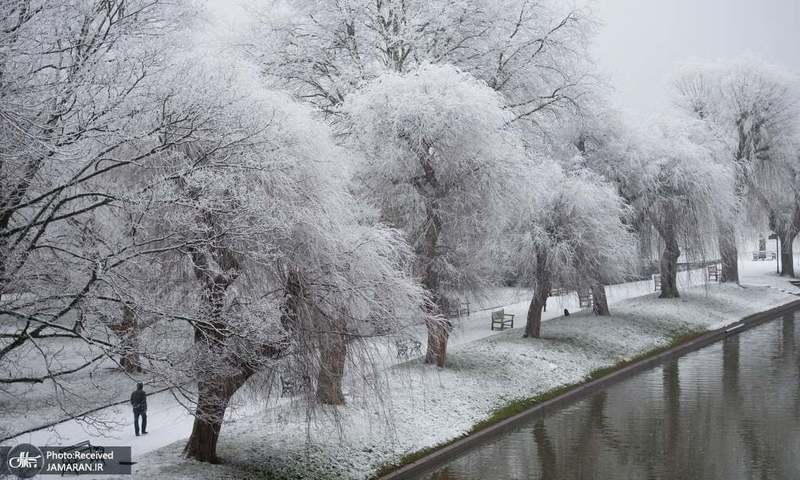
{"x":139,"y":404}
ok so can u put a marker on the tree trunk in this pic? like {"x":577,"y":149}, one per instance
{"x":533,"y":323}
{"x":669,"y":265}
{"x":600,"y":300}
{"x":787,"y":256}
{"x":729,"y":254}
{"x":333,"y":353}
{"x":222,"y":373}
{"x":645,"y":246}
{"x":213,"y":397}
{"x":438,"y":333}
{"x":428,"y":250}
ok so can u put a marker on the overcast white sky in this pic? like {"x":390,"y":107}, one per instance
{"x":641,"y":42}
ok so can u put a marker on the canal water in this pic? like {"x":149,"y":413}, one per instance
{"x":728,"y":411}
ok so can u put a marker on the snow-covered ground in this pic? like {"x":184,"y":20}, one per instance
{"x":169,"y":421}
{"x":424,"y":406}
{"x":516,"y":301}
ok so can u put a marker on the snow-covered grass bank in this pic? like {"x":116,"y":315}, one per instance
{"x":428,"y":406}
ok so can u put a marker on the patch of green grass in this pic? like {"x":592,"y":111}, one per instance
{"x":520,"y":405}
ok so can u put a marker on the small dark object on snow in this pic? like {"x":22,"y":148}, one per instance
{"x":566,"y":312}
{"x":139,"y":404}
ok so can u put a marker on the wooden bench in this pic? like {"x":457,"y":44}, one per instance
{"x":657,"y":281}
{"x":712,"y":273}
{"x":84,"y":447}
{"x":585,"y":298}
{"x":292,"y":385}
{"x":763,"y":255}
{"x":461,"y":310}
{"x":289,"y":386}
{"x":78,"y":447}
{"x":558,"y":292}
{"x":408,"y":347}
{"x":502,"y":319}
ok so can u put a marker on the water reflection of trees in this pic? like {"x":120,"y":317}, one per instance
{"x":732,"y":411}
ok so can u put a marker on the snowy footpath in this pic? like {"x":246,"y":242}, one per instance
{"x":422,"y":406}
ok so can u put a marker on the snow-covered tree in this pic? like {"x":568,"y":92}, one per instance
{"x":775,"y":190}
{"x":569,"y":233}
{"x":670,"y":171}
{"x":751,"y":106}
{"x":77,"y":114}
{"x":534,"y":53}
{"x":587,"y":142}
{"x":441,"y":164}
{"x":282,"y":263}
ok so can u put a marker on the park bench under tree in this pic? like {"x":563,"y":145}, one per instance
{"x":291,"y":384}
{"x":585,"y":298}
{"x":763,"y":255}
{"x":712,"y":272}
{"x":406,"y":348}
{"x":83,"y":446}
{"x":459,"y":310}
{"x":501,"y":319}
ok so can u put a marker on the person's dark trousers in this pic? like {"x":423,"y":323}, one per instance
{"x":136,"y":416}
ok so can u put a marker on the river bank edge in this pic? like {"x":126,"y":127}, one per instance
{"x":508,"y":416}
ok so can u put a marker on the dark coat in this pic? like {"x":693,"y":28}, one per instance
{"x":139,"y":401}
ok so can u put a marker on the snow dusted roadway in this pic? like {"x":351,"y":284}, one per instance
{"x":168,"y":421}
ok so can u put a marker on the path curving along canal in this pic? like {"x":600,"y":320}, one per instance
{"x":730,"y":410}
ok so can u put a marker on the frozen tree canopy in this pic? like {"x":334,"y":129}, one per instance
{"x":535,"y":53}
{"x":753,"y":109}
{"x":440,"y":161}
{"x":568,"y":233}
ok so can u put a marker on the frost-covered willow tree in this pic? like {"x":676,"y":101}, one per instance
{"x":442,"y":166}
{"x":277,"y":264}
{"x":597,"y":139}
{"x":671,"y":170}
{"x":568,"y":233}
{"x":534,"y":53}
{"x":752,"y":106}
{"x":775,"y":190}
